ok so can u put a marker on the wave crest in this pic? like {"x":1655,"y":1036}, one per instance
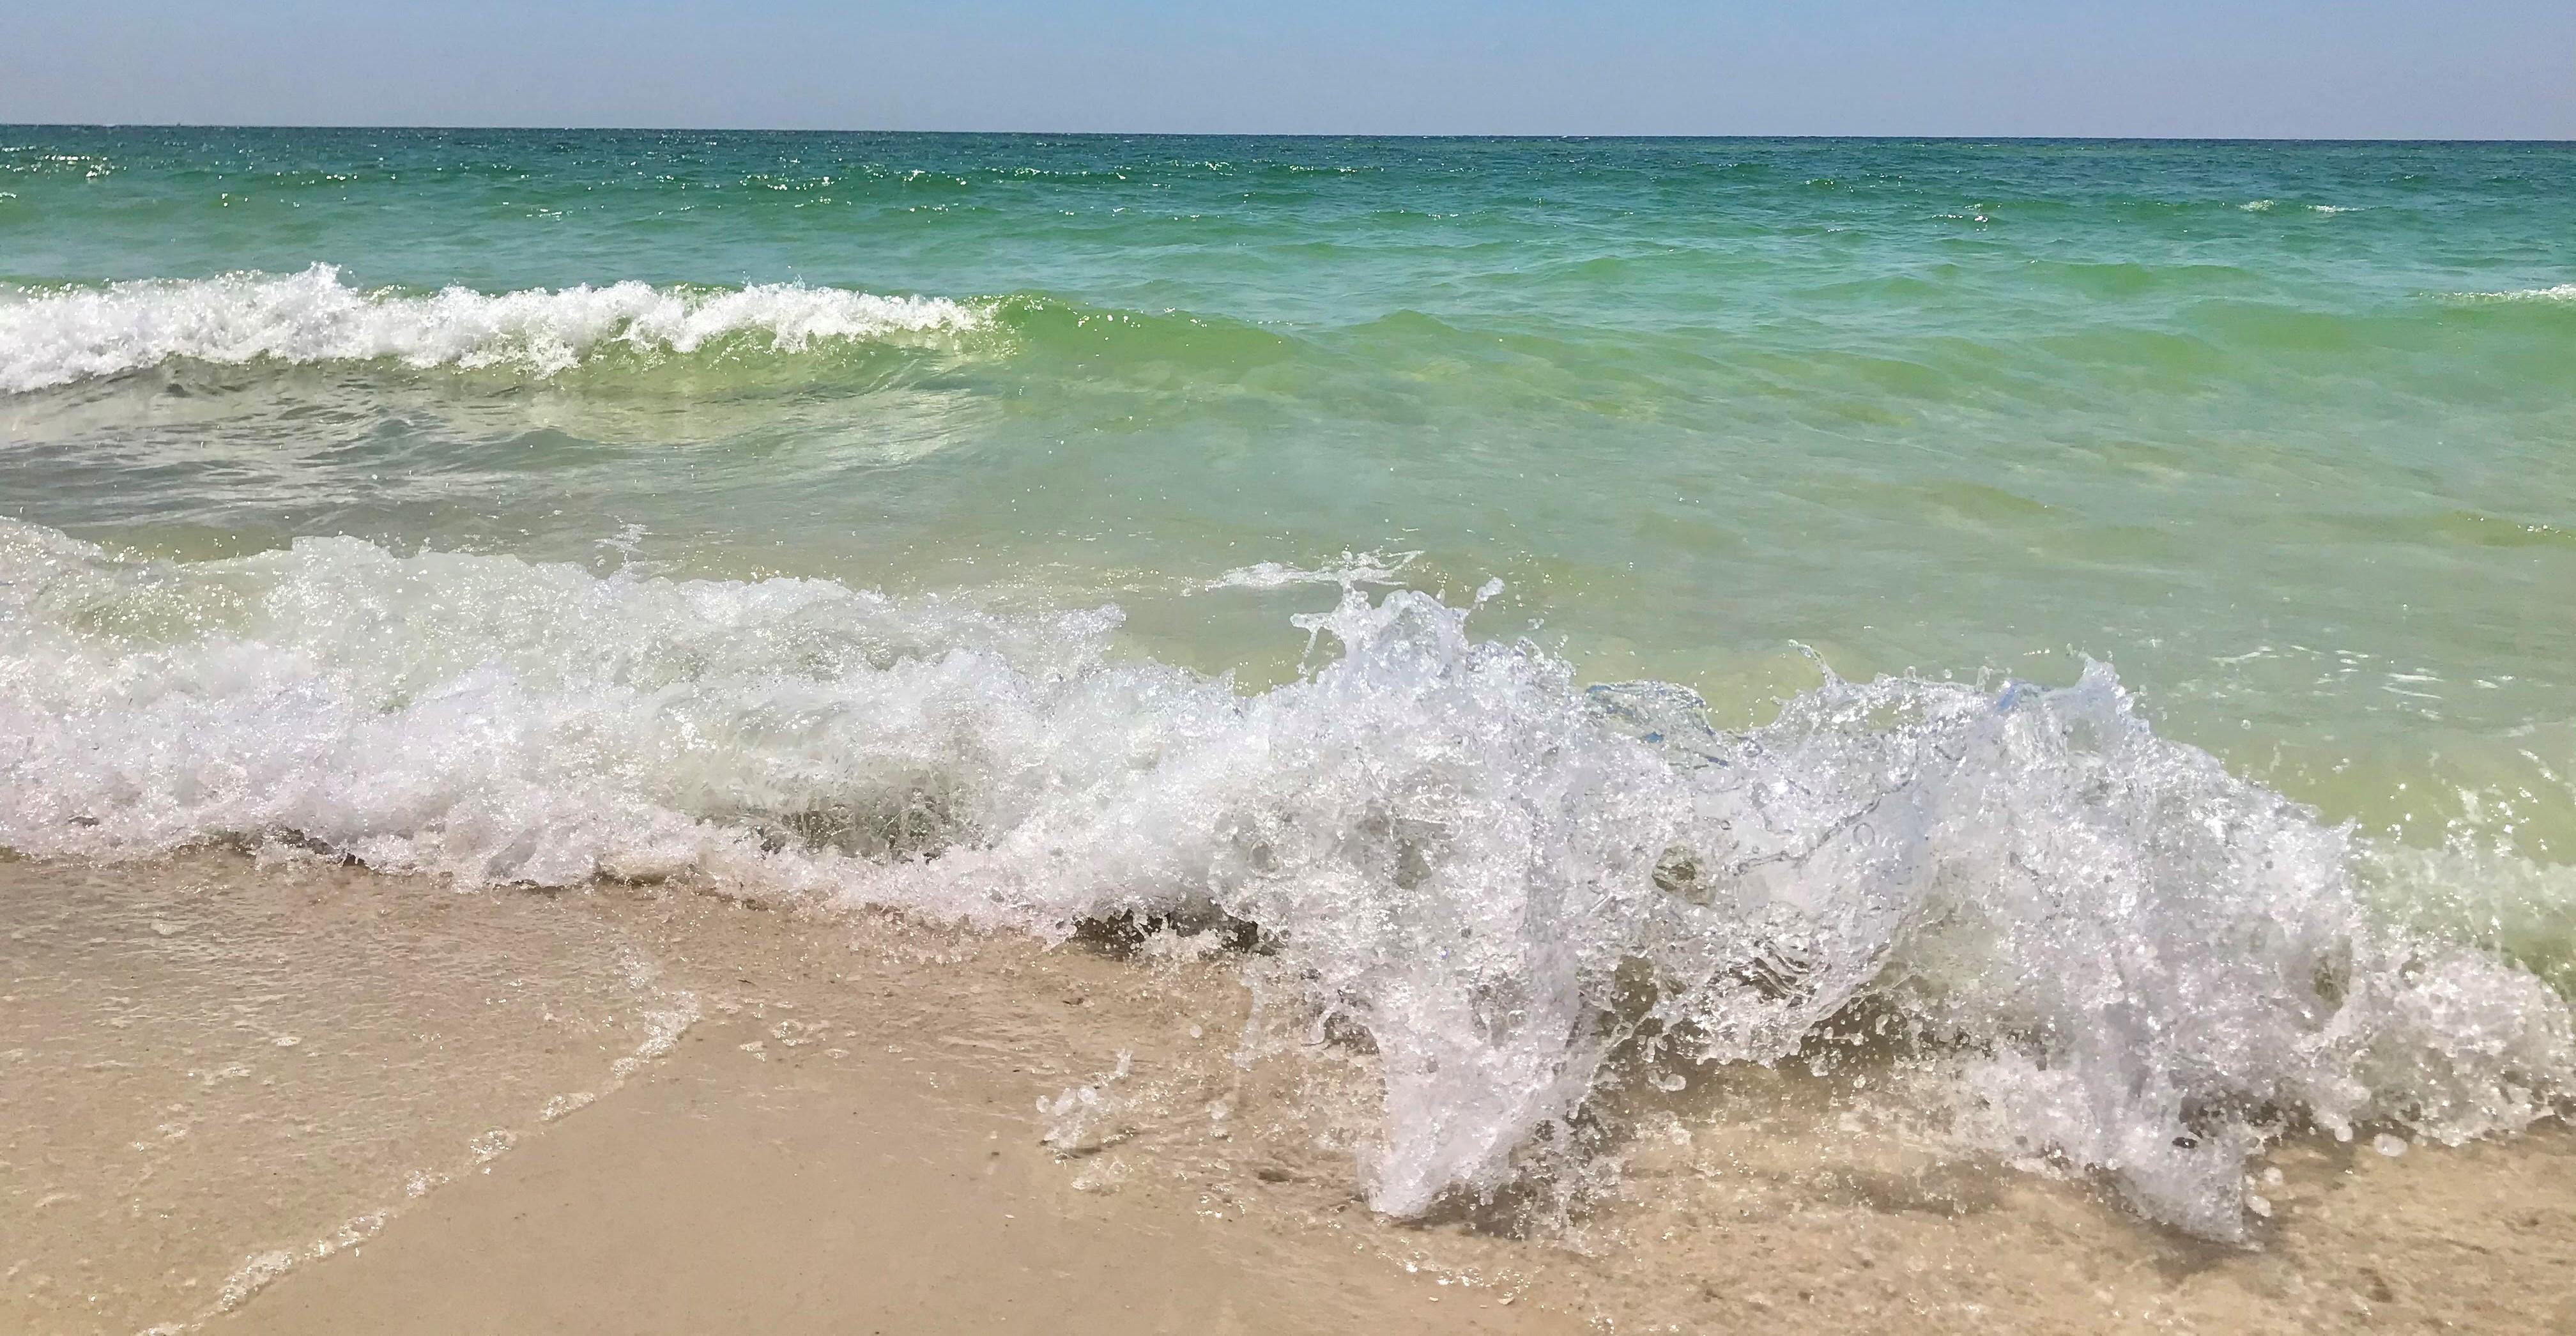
{"x":59,"y":336}
{"x":2564,"y":292}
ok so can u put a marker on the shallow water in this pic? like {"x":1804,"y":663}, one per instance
{"x":2098,"y":609}
{"x":1155,"y":1137}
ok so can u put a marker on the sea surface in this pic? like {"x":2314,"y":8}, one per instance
{"x":2101,"y":613}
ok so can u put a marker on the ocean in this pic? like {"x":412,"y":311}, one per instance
{"x":2092,"y":616}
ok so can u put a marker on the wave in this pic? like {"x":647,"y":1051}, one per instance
{"x":2564,"y":292}
{"x":2117,"y":956}
{"x":59,"y":336}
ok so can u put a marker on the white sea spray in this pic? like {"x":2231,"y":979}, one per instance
{"x":2137,"y":963}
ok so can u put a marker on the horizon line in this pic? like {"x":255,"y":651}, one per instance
{"x":1276,"y":134}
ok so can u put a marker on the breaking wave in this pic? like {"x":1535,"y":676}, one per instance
{"x":2125,"y":959}
{"x":59,"y":336}
{"x":2564,"y":292}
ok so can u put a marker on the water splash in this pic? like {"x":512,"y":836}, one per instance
{"x":2131,"y":962}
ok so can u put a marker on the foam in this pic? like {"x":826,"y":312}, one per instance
{"x":59,"y":336}
{"x":1353,"y":569}
{"x":2125,"y":960}
{"x":2564,"y":292}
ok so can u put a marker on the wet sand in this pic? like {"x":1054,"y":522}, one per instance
{"x":656,"y":1109}
{"x":723,"y":1193}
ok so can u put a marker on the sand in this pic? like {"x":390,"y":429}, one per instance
{"x":659,"y":1110}
{"x":802,"y":1195}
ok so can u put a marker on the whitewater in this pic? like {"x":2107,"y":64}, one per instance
{"x":60,"y":336}
{"x":2128,"y":960}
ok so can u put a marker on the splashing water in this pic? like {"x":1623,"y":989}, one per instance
{"x":2131,"y":961}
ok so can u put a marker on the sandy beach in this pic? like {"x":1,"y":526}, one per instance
{"x":710,"y":729}
{"x":629,"y":1109}
{"x":724,"y":1193}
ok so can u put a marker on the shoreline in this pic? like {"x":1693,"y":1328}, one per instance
{"x":605,"y":732}
{"x":841,"y":1061}
{"x":796,"y":1194}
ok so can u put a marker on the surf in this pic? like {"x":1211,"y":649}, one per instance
{"x":2105,"y":952}
{"x":64,"y":334}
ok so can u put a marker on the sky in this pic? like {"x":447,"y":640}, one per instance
{"x":2254,"y":68}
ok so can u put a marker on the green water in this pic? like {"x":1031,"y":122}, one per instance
{"x":2284,"y":432}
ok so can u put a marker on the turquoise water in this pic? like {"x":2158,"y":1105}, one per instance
{"x":2280,"y":434}
{"x":2279,"y":430}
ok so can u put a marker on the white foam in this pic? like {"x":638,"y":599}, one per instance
{"x":2136,"y":963}
{"x":58,"y":336}
{"x":2564,"y":292}
{"x":1354,"y":569}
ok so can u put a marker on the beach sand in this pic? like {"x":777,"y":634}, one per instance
{"x":299,"y":1097}
{"x":723,"y":1194}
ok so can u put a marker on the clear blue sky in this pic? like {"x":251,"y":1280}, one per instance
{"x":2287,"y":68}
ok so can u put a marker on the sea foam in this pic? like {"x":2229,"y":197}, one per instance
{"x":1353,"y":569}
{"x":57,"y":336}
{"x":2124,"y":959}
{"x":2563,"y":292}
